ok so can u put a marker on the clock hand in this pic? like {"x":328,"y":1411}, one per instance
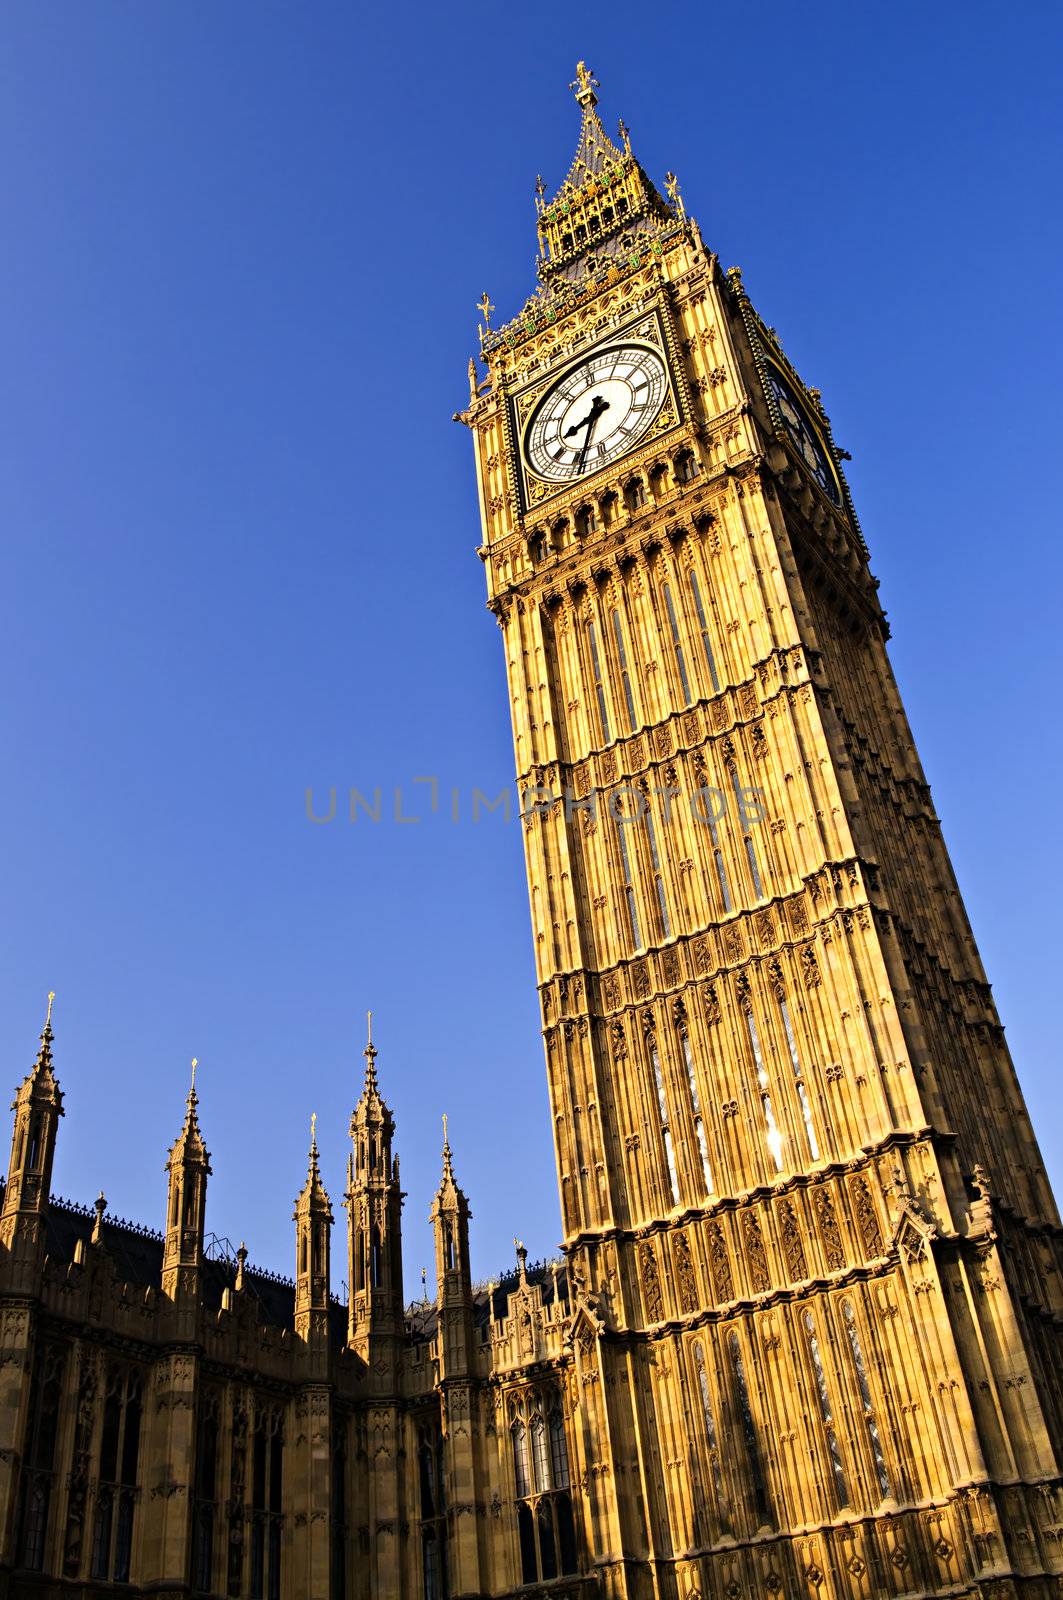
{"x":598,"y":405}
{"x":590,"y":422}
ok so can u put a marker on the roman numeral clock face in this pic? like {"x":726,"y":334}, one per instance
{"x":596,"y":412}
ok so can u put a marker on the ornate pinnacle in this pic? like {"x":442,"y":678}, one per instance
{"x":584,"y":86}
{"x":671,"y":184}
{"x":448,"y":1170}
{"x":97,"y":1226}
{"x":44,"y":1054}
{"x":370,"y":1055}
{"x":313,"y":1133}
{"x":241,"y":1260}
{"x":625,"y":136}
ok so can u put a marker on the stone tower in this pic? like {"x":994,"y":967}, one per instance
{"x":814,"y":1254}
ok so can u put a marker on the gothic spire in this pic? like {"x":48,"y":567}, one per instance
{"x":606,"y":205}
{"x":40,"y":1080}
{"x":189,"y":1146}
{"x":370,"y":1054}
{"x":448,"y":1195}
{"x":313,"y":1197}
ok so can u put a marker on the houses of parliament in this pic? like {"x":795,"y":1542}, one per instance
{"x":803,"y":1341}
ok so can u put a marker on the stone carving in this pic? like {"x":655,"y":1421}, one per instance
{"x":651,"y":1283}
{"x":719,"y":1266}
{"x":866,"y":1218}
{"x":684,"y":1273}
{"x":758,"y":1265}
{"x":828,"y":1228}
{"x":792,"y":1244}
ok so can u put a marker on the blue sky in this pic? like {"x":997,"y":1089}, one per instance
{"x":237,"y":300}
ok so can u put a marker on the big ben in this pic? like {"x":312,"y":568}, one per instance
{"x":813,"y":1254}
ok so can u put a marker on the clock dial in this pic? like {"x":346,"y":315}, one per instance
{"x":804,"y":434}
{"x":595,"y":412}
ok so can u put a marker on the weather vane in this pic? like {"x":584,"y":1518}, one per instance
{"x":484,"y":306}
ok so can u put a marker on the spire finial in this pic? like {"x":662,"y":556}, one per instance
{"x":192,"y":1090}
{"x":484,"y":306}
{"x":584,"y":86}
{"x":448,"y":1170}
{"x":51,"y":1001}
{"x":99,"y":1208}
{"x":313,"y":1133}
{"x":671,"y":184}
{"x":241,"y":1262}
{"x":370,"y":1054}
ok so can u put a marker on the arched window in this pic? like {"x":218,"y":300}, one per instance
{"x":547,"y":1543}
{"x":521,"y":1474}
{"x":629,"y":884}
{"x":35,"y":1145}
{"x":802,"y":1093}
{"x":662,"y":1106}
{"x":359,"y":1261}
{"x":749,"y":1432}
{"x":587,"y":520}
{"x":529,"y":1568}
{"x":677,"y":643}
{"x":625,"y":676}
{"x":634,"y":494}
{"x":540,"y":1458}
{"x":695,"y":1106}
{"x":774,"y":1137}
{"x":599,"y":681}
{"x":558,"y":1449}
{"x":826,"y":1415}
{"x":376,"y":1263}
{"x":687,"y":467}
{"x":747,"y":837}
{"x":701,"y":1373}
{"x":864,"y":1388}
{"x":658,"y":875}
{"x":706,"y":641}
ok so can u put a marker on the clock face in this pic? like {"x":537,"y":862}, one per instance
{"x":596,"y":412}
{"x":803,"y":434}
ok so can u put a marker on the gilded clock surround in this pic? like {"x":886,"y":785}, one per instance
{"x":803,"y":1339}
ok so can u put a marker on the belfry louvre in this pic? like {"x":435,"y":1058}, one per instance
{"x":803,"y":1338}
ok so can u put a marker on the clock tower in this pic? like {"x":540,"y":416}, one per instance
{"x":814,"y":1257}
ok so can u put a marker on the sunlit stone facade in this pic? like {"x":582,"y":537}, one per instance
{"x":803,"y":1340}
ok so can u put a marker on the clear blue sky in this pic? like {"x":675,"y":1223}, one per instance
{"x":243,"y":246}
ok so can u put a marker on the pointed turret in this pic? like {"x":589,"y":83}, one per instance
{"x":38,"y":1105}
{"x":606,"y":202}
{"x":313,"y":1232}
{"x":189,"y":1167}
{"x":449,"y":1217}
{"x":374,"y":1214}
{"x":456,"y":1362}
